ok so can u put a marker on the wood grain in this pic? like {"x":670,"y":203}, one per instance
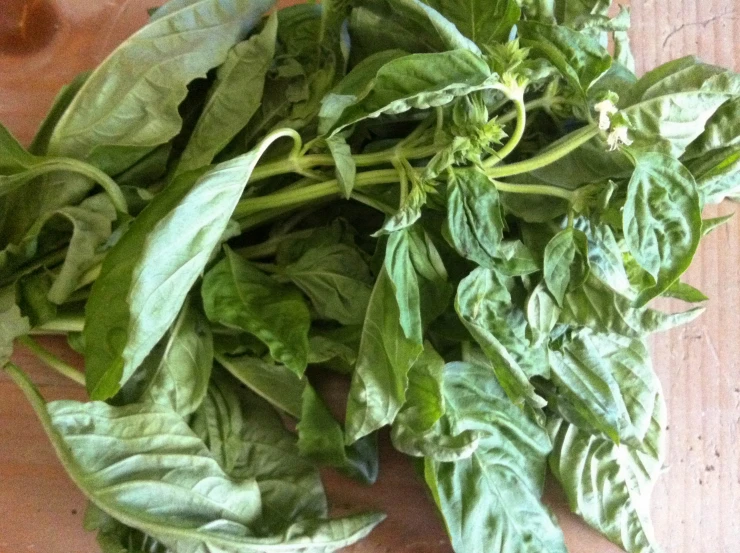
{"x":696,"y":505}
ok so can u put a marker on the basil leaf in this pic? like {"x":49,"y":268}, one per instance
{"x":147,"y":274}
{"x":608,"y":382}
{"x":250,"y":442}
{"x":661,"y":220}
{"x":63,"y":99}
{"x":413,"y":81}
{"x":166,"y":484}
{"x":474,"y":220}
{"x":108,"y":123}
{"x":237,"y":295}
{"x":580,"y":59}
{"x":484,"y":306}
{"x":493,"y":497}
{"x":233,"y":99}
{"x":344,"y":162}
{"x":609,"y":485}
{"x":402,"y":276}
{"x":13,"y":323}
{"x":566,"y":263}
{"x":421,"y":428}
{"x":336,"y":279}
{"x":176,"y":372}
{"x":600,"y":308}
{"x":321,"y":438}
{"x":380,"y":379}
{"x":717,"y":175}
{"x":408,"y":25}
{"x":721,"y":131}
{"x":485,"y":23}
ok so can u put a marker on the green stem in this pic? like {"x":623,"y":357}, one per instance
{"x":61,"y":325}
{"x":52,"y":165}
{"x":521,"y":120}
{"x":311,"y":192}
{"x":573,"y":141}
{"x":52,"y":360}
{"x":540,"y":189}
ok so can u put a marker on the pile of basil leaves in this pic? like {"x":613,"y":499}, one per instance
{"x":463,"y":207}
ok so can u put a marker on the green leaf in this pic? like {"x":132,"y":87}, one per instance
{"x":661,"y":220}
{"x":484,"y":306}
{"x":600,"y":308}
{"x":280,"y":386}
{"x":605,"y":256}
{"x":321,"y":438}
{"x":176,"y":372}
{"x":147,"y":274}
{"x":580,"y":58}
{"x":109,"y":121}
{"x":415,"y":81}
{"x":233,"y":98}
{"x":115,"y":537}
{"x":670,"y":106}
{"x":474,"y":219}
{"x":608,"y":382}
{"x":238,"y":295}
{"x":485,"y":23}
{"x":543,"y":313}
{"x":336,"y":279}
{"x":421,"y":428}
{"x":492,"y":498}
{"x":154,"y":474}
{"x":13,"y":157}
{"x":380,"y":379}
{"x":335,"y":349}
{"x":684,"y":292}
{"x":249,"y":441}
{"x":408,"y":25}
{"x":566,"y":262}
{"x":708,"y":225}
{"x":12,"y":323}
{"x":718,"y":175}
{"x":609,"y":485}
{"x":63,"y":99}
{"x":721,"y":131}
{"x":344,"y":163}
{"x":402,"y":275}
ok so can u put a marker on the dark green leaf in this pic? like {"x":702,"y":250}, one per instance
{"x":485,"y":23}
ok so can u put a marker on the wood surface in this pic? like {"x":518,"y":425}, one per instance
{"x":696,"y":504}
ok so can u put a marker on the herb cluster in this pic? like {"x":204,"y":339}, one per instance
{"x":465,"y":207}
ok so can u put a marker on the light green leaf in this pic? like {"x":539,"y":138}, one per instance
{"x":336,"y":279}
{"x":250,"y":442}
{"x":147,"y":274}
{"x":238,"y":295}
{"x":12,"y":323}
{"x":414,"y":81}
{"x":421,"y":428}
{"x":600,"y":308}
{"x":280,"y":386}
{"x":609,"y":485}
{"x":154,"y":474}
{"x":661,"y":220}
{"x":485,"y":23}
{"x":670,"y":106}
{"x":474,"y":218}
{"x":608,"y":382}
{"x":344,"y":163}
{"x":685,"y":292}
{"x":718,"y":175}
{"x":408,"y":25}
{"x":380,"y":379}
{"x":402,"y":275}
{"x":484,"y":306}
{"x":566,"y":263}
{"x":176,"y":372}
{"x":233,"y":98}
{"x":129,"y":104}
{"x":492,"y":498}
{"x":543,"y":313}
{"x":62,"y":101}
{"x":708,"y":225}
{"x":721,"y":131}
{"x":321,"y":438}
{"x":580,"y":58}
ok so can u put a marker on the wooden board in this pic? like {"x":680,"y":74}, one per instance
{"x":696,"y":504}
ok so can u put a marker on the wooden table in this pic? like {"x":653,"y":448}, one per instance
{"x":696,"y":504}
